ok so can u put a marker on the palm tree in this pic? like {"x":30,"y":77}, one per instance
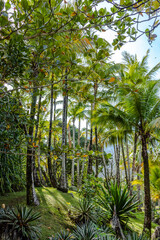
{"x":138,"y":107}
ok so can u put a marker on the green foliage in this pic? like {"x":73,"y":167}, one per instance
{"x":85,"y":210}
{"x":90,"y":186}
{"x":87,"y":231}
{"x":63,"y":235}
{"x":14,"y":57}
{"x":116,"y":198}
{"x":18,"y":223}
{"x":12,"y":165}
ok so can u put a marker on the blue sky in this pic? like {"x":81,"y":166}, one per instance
{"x":139,"y":47}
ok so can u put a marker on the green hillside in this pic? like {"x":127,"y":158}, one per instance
{"x":54,"y":207}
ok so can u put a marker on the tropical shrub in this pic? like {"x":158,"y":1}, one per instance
{"x":18,"y":223}
{"x":90,"y":231}
{"x":85,"y":211}
{"x":63,"y":235}
{"x":87,"y":231}
{"x":119,"y":206}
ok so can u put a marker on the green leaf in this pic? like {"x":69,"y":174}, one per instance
{"x":7,"y":6}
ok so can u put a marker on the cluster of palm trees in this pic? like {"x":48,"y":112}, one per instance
{"x":135,"y":112}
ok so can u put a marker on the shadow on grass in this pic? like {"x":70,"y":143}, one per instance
{"x":68,"y":199}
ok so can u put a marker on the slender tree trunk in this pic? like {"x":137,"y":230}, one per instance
{"x":78,"y":164}
{"x":37,"y":181}
{"x":128,"y":160}
{"x":134,"y":155}
{"x":54,"y":139}
{"x":138,"y":177}
{"x":39,"y":162}
{"x":85,"y":148}
{"x":63,"y":183}
{"x":147,"y":197}
{"x":52,"y":176}
{"x":104,"y":164}
{"x":31,"y":193}
{"x":96,"y":134}
{"x":117,"y":158}
{"x":74,"y":145}
{"x":124,"y":163}
{"x":96,"y":148}
{"x":46,"y":177}
{"x":90,"y":160}
{"x":54,"y":119}
{"x":90,"y":164}
{"x":69,"y":136}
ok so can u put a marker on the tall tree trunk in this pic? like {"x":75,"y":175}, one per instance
{"x":37,"y":181}
{"x":128,"y":160}
{"x":90,"y":163}
{"x":117,"y":158}
{"x":138,"y":177}
{"x":90,"y":160}
{"x":46,"y":177}
{"x":104,"y":164}
{"x":54,"y":119}
{"x":63,"y":183}
{"x":134,"y":155}
{"x":52,"y":176}
{"x":85,"y":148}
{"x":96,"y":134}
{"x":124,"y":163}
{"x":39,"y":161}
{"x":74,"y":145}
{"x":54,"y":139}
{"x":31,"y":193}
{"x":147,"y":196}
{"x":78,"y":167}
{"x":69,"y":136}
{"x":96,"y":148}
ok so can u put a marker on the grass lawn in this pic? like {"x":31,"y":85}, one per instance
{"x":54,"y":207}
